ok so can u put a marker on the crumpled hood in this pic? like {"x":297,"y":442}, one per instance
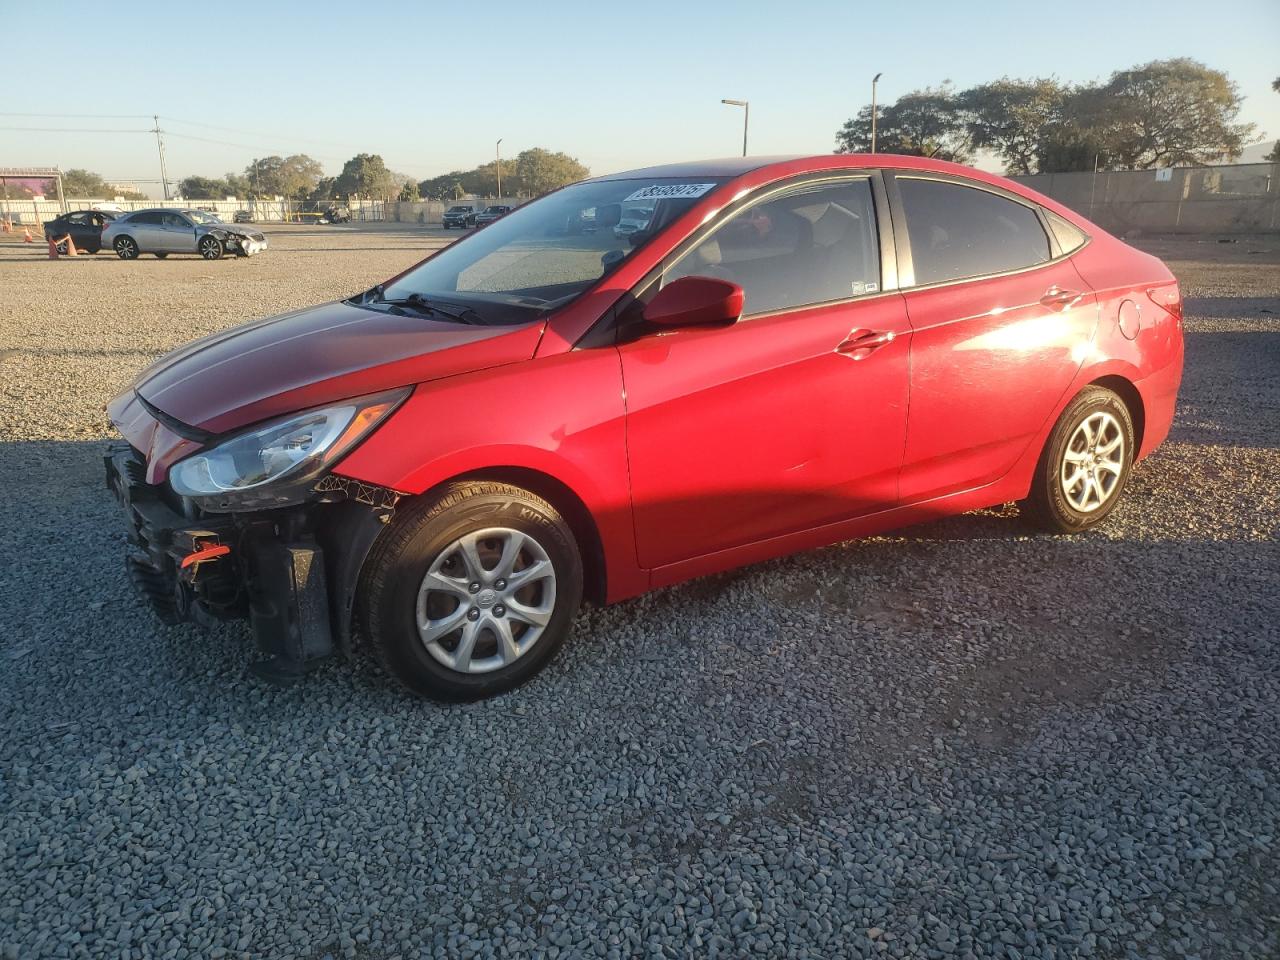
{"x":282,"y":364}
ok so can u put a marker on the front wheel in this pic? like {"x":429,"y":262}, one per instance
{"x":211,"y":248}
{"x":471,"y":593}
{"x":1085,"y":464}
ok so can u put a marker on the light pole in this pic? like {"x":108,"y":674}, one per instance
{"x":874,"y":80}
{"x":746,"y":119}
{"x":497,"y":163}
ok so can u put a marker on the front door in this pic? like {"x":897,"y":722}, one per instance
{"x":178,"y":234}
{"x":789,"y":419}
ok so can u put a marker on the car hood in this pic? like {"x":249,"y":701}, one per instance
{"x":282,"y":364}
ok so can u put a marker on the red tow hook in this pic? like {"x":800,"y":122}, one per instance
{"x":211,"y":552}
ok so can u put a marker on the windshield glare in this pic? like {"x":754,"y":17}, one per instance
{"x":199,"y":216}
{"x":545,"y":253}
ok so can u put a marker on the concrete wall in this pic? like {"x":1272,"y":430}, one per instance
{"x":1243,"y":198}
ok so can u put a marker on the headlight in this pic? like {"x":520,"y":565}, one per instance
{"x":275,"y":465}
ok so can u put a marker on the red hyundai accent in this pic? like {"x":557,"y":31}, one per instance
{"x":790,"y":353}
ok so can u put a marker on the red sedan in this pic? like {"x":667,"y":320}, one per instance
{"x":791,"y":353}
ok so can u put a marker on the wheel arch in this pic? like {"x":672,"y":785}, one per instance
{"x":569,"y":505}
{"x":1132,"y":399}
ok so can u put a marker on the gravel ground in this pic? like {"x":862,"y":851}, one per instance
{"x":958,"y":741}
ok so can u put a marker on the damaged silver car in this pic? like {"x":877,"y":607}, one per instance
{"x":163,"y":232}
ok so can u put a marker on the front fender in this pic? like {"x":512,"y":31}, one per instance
{"x":561,"y":416}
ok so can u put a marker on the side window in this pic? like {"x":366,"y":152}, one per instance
{"x":1069,"y":236}
{"x":959,"y":231}
{"x":78,"y":218}
{"x":809,"y":245}
{"x":176,"y":221}
{"x":146,"y":219}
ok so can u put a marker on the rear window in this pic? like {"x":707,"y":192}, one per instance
{"x":958,"y":231}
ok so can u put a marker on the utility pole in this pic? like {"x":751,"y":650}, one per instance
{"x":164,"y":177}
{"x":746,"y":119}
{"x":874,"y":80}
{"x":497,"y":163}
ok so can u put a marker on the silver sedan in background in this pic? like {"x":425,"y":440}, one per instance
{"x":163,"y":232}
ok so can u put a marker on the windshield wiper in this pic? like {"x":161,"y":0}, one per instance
{"x":420,"y":303}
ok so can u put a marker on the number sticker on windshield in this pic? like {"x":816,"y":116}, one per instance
{"x":670,"y":191}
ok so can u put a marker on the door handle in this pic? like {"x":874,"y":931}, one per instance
{"x":859,"y":344}
{"x":1057,"y":296}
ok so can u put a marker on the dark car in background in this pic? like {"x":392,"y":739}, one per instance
{"x":460,"y":215}
{"x":242,"y":216}
{"x":491,"y":213}
{"x":337,"y":214}
{"x":83,"y":226}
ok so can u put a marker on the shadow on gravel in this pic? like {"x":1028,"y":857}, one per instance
{"x":1232,"y":307}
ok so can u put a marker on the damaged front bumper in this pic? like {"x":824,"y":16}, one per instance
{"x":292,"y":573}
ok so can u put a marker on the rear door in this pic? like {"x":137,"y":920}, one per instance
{"x":147,"y":230}
{"x":1001,"y":323}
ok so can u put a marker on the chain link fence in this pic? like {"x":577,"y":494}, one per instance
{"x":1237,"y":198}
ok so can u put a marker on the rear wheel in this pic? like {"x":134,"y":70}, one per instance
{"x":1085,"y":464}
{"x":472,"y":593}
{"x":161,"y":256}
{"x":210,"y":247}
{"x":126,"y":248}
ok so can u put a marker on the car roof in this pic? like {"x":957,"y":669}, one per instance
{"x":795,"y":164}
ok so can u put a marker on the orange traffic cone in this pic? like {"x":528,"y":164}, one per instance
{"x":26,"y":235}
{"x":53,"y":249}
{"x":6,"y":226}
{"x":71,"y":247}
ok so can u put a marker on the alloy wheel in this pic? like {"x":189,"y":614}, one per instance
{"x":486,"y":600}
{"x":126,"y":249}
{"x":1093,"y":462}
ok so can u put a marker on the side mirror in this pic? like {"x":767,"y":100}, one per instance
{"x":692,"y":301}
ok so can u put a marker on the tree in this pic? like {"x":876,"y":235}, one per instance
{"x":237,"y":185}
{"x":294,"y":176}
{"x":539,"y":171}
{"x":923,"y":123}
{"x":203,"y":188}
{"x":84,"y":183}
{"x":366,"y":175}
{"x":1168,"y":112}
{"x":410,"y":191}
{"x":1274,"y":155}
{"x":447,"y":186}
{"x":1011,"y":117}
{"x":1069,"y":148}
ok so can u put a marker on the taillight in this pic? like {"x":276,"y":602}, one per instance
{"x":1168,"y":296}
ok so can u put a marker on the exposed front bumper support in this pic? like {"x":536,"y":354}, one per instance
{"x":272,"y":572}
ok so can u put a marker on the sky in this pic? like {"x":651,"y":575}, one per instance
{"x":432,"y":86}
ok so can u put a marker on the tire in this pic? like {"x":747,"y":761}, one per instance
{"x":210,"y":247}
{"x":61,"y":247}
{"x":126,"y":248}
{"x":1083,"y":444}
{"x":423,"y":542}
{"x":161,"y":256}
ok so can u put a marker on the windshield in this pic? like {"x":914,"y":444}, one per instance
{"x":459,"y":209}
{"x":545,"y":253}
{"x":199,"y":216}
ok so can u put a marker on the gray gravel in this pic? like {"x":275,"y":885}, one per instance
{"x":959,"y":741}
